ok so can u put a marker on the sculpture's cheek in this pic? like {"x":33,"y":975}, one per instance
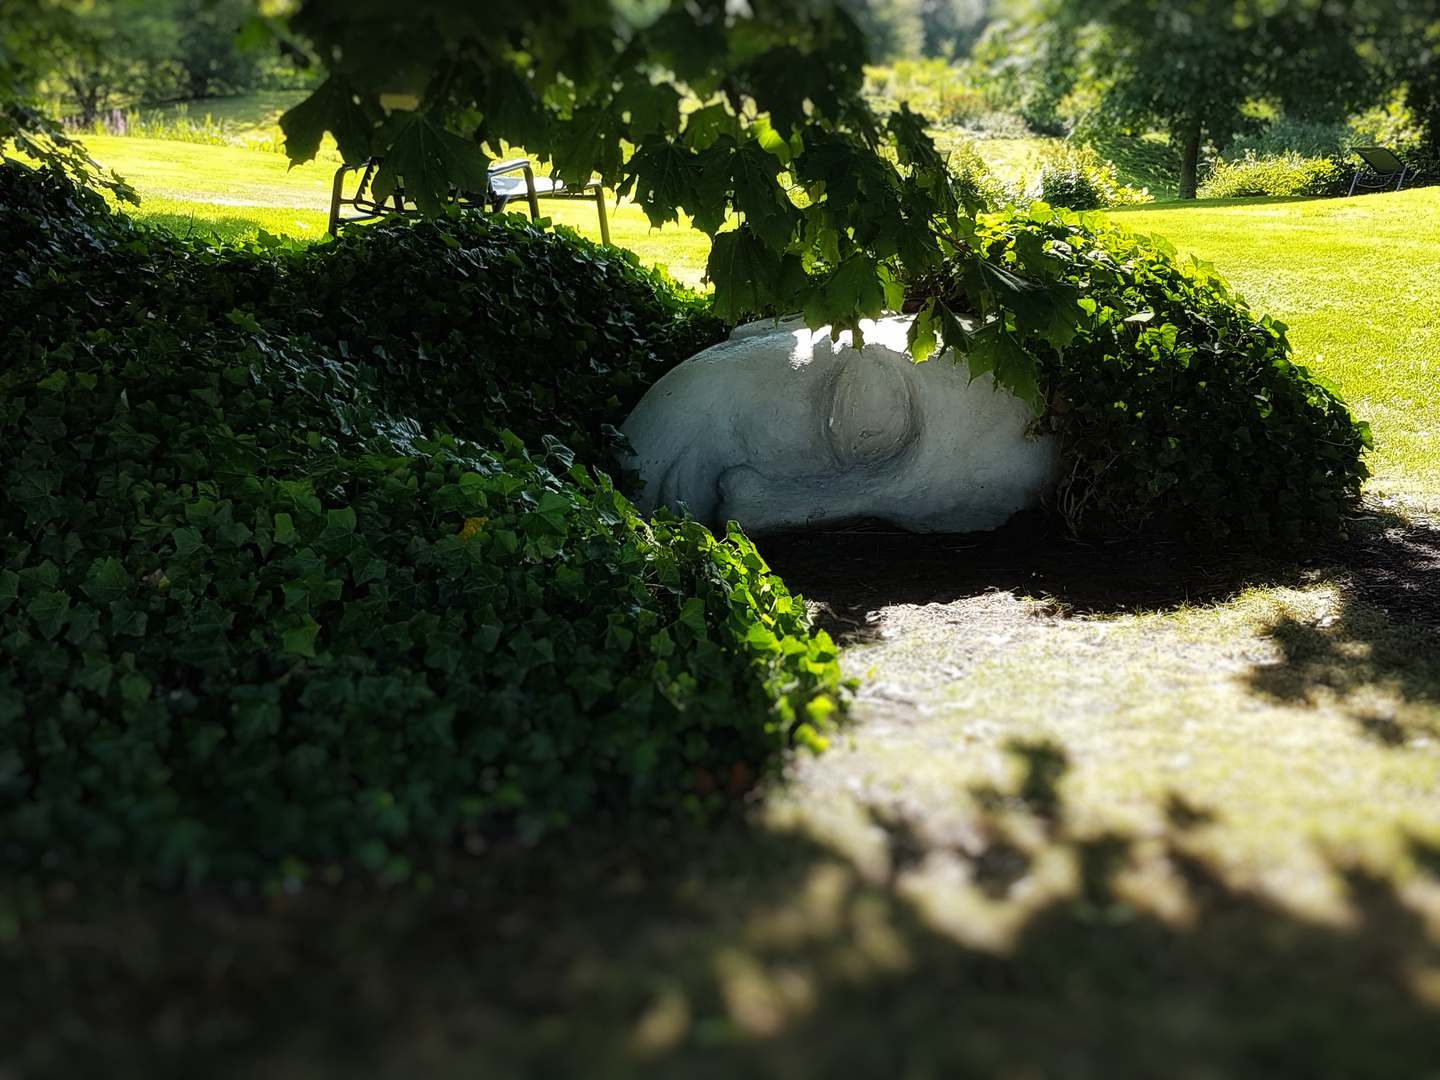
{"x":872,"y":418}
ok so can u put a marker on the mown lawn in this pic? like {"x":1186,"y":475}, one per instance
{"x":256,"y":113}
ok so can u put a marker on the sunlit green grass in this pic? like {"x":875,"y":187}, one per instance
{"x":257,"y":113}
{"x":1355,"y":280}
{"x":232,"y":193}
{"x":227,"y":176}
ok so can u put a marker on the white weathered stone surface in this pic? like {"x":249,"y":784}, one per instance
{"x":780,"y":428}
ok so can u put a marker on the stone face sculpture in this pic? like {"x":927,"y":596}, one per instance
{"x":780,"y":428}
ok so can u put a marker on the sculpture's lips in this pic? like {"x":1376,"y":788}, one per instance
{"x":780,"y":427}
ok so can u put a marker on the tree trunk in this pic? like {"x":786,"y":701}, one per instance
{"x":89,"y":101}
{"x":1190,"y":164}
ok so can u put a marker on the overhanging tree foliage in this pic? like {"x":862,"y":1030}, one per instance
{"x":746,"y":117}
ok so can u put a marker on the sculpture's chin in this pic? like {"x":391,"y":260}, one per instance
{"x":780,"y":433}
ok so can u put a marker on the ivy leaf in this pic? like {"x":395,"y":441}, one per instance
{"x":127,"y":619}
{"x":300,"y":640}
{"x":692,"y":615}
{"x":96,"y":673}
{"x":430,"y":160}
{"x":332,"y":107}
{"x":256,"y":710}
{"x":49,"y":610}
{"x":84,"y":621}
{"x":9,"y":588}
{"x":285,"y":531}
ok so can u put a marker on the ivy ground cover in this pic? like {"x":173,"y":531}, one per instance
{"x":297,"y":569}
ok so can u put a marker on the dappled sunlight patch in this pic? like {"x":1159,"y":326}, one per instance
{"x":1293,"y":726}
{"x":950,"y":900}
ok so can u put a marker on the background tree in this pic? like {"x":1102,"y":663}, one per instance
{"x":145,"y":52}
{"x":116,"y":51}
{"x":32,"y":35}
{"x":1197,"y":69}
{"x":207,"y":57}
{"x":907,"y":29}
{"x":1401,"y":39}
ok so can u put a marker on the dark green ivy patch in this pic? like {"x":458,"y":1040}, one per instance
{"x":1174,"y":401}
{"x":470,"y":324}
{"x":252,"y":617}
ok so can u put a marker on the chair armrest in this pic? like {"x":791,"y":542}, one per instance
{"x":515,"y":165}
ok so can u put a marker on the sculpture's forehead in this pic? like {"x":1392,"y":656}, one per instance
{"x":803,"y":346}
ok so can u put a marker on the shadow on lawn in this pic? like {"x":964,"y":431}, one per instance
{"x":1022,"y":949}
{"x":853,"y":572}
{"x":1378,"y":652}
{"x":1391,"y":564}
{"x":736,"y":952}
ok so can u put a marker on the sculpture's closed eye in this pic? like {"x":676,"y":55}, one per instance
{"x":871,"y":419}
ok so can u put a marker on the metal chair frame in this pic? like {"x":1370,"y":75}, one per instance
{"x":1382,"y":167}
{"x":363,"y":206}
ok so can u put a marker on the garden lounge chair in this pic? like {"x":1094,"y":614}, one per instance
{"x":1379,"y":169}
{"x":504,"y":187}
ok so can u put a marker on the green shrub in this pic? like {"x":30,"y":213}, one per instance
{"x":1174,"y":402}
{"x":1393,"y":125}
{"x":176,"y":125}
{"x":1077,"y":178}
{"x":1278,"y":174}
{"x":256,"y":618}
{"x":975,"y":185}
{"x":1146,"y":161}
{"x":932,"y":86}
